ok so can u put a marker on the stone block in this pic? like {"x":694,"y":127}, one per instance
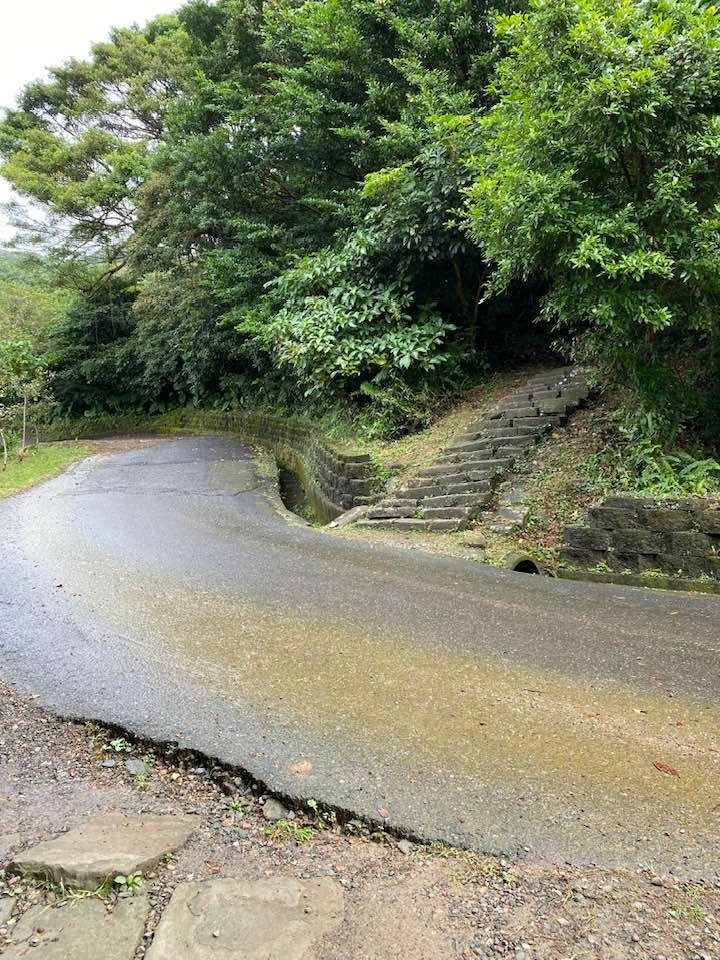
{"x":634,"y":562}
{"x":355,"y":471}
{"x":80,"y":930}
{"x":667,"y":520}
{"x":545,"y":393}
{"x":623,"y":503}
{"x":709,"y":522}
{"x":6,"y":909}
{"x":637,"y":541}
{"x":447,"y":526}
{"x":587,"y":538}
{"x":445,"y":513}
{"x":479,"y":487}
{"x":574,"y":395}
{"x":609,"y":519}
{"x":688,"y":566}
{"x":553,"y":406}
{"x":513,"y":413}
{"x":690,"y":544}
{"x":91,"y":854}
{"x":475,"y":539}
{"x":453,"y":500}
{"x":582,"y":558}
{"x":361,"y":487}
{"x":540,"y":424}
{"x":514,"y":516}
{"x":278,"y":919}
{"x":390,"y":513}
{"x":516,"y":494}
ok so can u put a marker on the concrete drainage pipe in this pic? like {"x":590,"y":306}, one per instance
{"x":522,"y":563}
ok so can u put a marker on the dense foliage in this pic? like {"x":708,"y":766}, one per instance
{"x":363,"y":202}
{"x":600,"y":171}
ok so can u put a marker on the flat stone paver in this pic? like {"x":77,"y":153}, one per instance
{"x":113,"y":844}
{"x":6,"y":908}
{"x":80,"y":930}
{"x":248,"y":920}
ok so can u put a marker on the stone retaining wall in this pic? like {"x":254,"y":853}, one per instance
{"x":333,"y":480}
{"x":642,"y":535}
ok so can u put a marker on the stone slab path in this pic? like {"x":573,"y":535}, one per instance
{"x":93,"y":854}
{"x":275,"y":919}
{"x":245,"y":920}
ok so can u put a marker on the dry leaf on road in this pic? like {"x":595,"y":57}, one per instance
{"x":665,"y":768}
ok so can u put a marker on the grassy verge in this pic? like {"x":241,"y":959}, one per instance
{"x":38,"y":463}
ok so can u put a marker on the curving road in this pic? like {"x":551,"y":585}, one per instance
{"x":163,"y":590}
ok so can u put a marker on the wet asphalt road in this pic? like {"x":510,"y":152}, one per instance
{"x":164,"y":591}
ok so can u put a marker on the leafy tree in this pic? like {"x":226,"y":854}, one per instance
{"x":600,"y":175}
{"x":79,"y":142}
{"x":23,"y":380}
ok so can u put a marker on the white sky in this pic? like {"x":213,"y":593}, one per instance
{"x":35,"y":34}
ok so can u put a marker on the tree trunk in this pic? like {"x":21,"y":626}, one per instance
{"x":5,"y":450}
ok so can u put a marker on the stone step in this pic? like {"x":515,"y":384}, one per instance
{"x":470,"y":466}
{"x":454,"y":500}
{"x":448,"y":493}
{"x":574,"y":395}
{"x":517,"y":412}
{"x":394,"y":524}
{"x":500,"y":428}
{"x":508,"y":439}
{"x":546,"y":422}
{"x":510,"y":447}
{"x":389,"y":513}
{"x":486,"y":444}
{"x":554,"y":406}
{"x":545,"y":394}
{"x":481,"y":488}
{"x":479,"y":485}
{"x":446,"y":513}
{"x":428,"y":489}
{"x":514,"y":450}
{"x":418,"y":524}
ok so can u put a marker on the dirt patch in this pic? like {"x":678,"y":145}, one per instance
{"x":401,"y":901}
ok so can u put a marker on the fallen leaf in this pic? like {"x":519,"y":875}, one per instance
{"x":384,"y":813}
{"x":665,"y":768}
{"x":214,"y":867}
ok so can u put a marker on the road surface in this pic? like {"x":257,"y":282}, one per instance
{"x":163,"y":590}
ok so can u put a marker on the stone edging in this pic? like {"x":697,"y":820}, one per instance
{"x":333,"y":480}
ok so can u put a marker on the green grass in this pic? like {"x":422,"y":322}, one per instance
{"x":39,"y":463}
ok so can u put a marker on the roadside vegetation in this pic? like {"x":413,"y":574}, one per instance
{"x":36,"y":464}
{"x":357,"y":211}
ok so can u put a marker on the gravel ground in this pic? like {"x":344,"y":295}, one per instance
{"x":401,"y":900}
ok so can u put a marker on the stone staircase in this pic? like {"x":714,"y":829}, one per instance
{"x":449,"y":494}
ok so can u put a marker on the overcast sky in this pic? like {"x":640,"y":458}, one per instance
{"x":35,"y":34}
